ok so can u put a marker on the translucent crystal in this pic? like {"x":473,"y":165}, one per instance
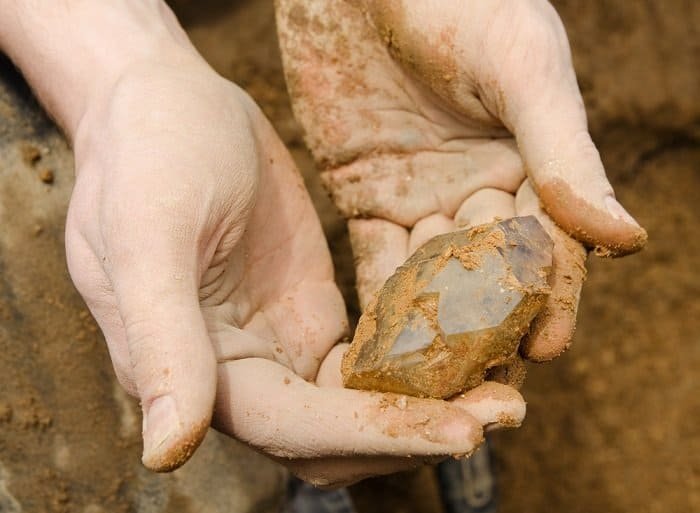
{"x":458,"y":307}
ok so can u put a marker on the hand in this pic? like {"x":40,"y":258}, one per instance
{"x":192,"y":239}
{"x":189,"y":234}
{"x":429,"y":116}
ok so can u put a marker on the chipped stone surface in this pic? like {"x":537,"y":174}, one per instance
{"x":458,"y":307}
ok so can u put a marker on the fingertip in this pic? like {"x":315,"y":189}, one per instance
{"x":378,"y":247}
{"x":177,"y":403}
{"x":485,"y":206}
{"x":550,"y":335}
{"x":565,"y":168}
{"x":636,"y":235}
{"x":168,"y":442}
{"x":329,"y":374}
{"x":457,"y":430}
{"x":494,"y":405}
{"x":603,"y":224}
{"x":427,"y":228}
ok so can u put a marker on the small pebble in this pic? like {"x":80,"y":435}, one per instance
{"x":47,"y":176}
{"x":30,"y":154}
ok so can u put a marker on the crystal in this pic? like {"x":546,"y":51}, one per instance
{"x":456,"y":308}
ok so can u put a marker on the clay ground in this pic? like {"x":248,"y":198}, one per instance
{"x":612,"y":426}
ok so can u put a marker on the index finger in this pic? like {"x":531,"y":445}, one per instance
{"x":269,"y":407}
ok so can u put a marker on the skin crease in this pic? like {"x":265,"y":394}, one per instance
{"x":197,"y":249}
{"x":427,"y":115}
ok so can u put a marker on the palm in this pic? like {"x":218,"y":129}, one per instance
{"x":276,"y":282}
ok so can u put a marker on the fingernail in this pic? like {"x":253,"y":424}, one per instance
{"x":160,"y":424}
{"x":618,"y":211}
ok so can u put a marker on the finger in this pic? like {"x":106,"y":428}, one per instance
{"x":427,"y":228}
{"x":548,"y":118}
{"x":329,"y":375}
{"x":552,"y":330}
{"x":379,"y":247}
{"x":154,"y":272}
{"x":272,"y":409}
{"x":494,"y":405}
{"x":485,"y":206}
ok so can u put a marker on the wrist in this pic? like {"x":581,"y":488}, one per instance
{"x":74,"y":53}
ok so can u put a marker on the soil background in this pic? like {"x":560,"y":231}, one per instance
{"x":612,"y":426}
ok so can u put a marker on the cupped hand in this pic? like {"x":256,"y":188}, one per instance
{"x":432,"y":115}
{"x":194,"y":243}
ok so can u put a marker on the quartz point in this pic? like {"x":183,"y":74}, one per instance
{"x":457,"y":307}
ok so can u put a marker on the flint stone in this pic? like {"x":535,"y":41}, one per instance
{"x":459,"y":306}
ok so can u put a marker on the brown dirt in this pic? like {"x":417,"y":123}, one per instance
{"x":611,"y":425}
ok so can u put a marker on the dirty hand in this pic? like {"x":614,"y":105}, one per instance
{"x":193,"y":241}
{"x":433,"y":115}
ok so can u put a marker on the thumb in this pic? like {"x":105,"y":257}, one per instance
{"x":172,"y":360}
{"x":548,"y":119}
